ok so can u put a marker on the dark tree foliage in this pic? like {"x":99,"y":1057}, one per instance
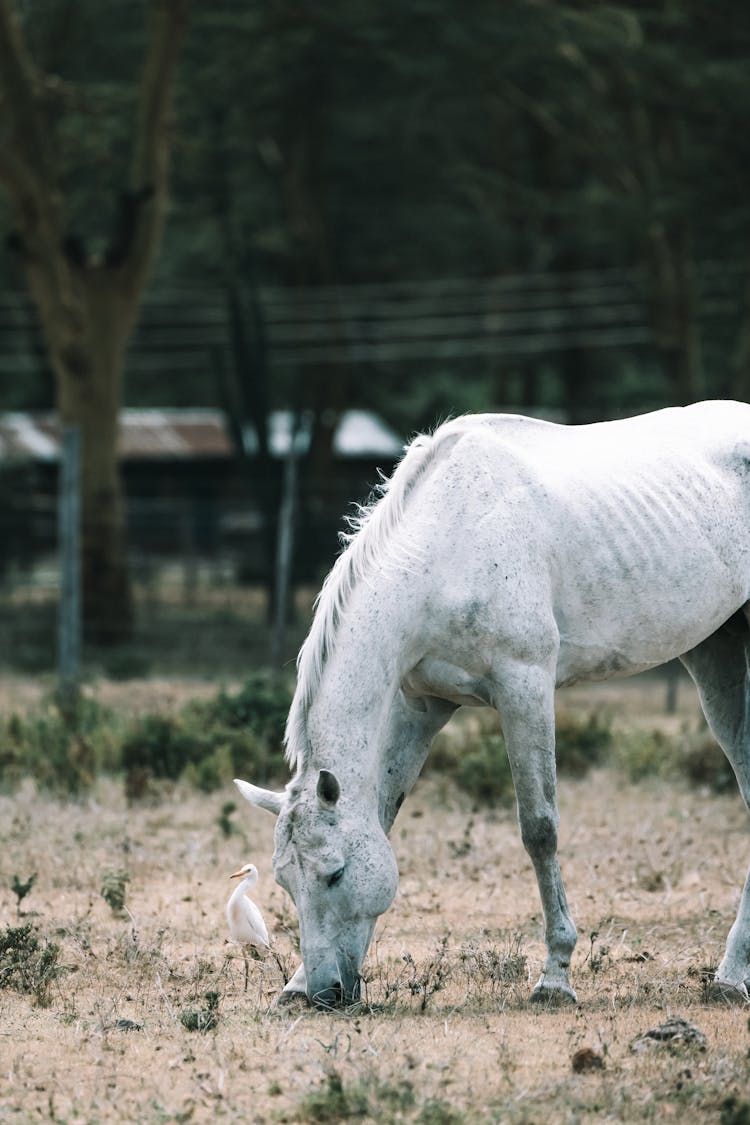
{"x":362,"y":141}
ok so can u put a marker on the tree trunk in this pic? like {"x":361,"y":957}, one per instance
{"x":88,"y":306}
{"x":741,"y":380}
{"x":244,"y":381}
{"x":88,"y":369}
{"x":86,"y":323}
{"x":674,"y":310}
{"x":325,"y":389}
{"x":659,"y":146}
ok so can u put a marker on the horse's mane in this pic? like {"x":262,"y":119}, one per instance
{"x":370,"y":545}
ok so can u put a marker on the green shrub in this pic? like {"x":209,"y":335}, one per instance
{"x":383,"y":1101}
{"x":13,"y":753}
{"x":734,"y":1111}
{"x":642,"y":754}
{"x":437,"y":1112}
{"x":226,"y":824}
{"x":208,"y":743}
{"x":28,"y":963}
{"x":476,"y":759}
{"x":475,"y":762}
{"x":334,"y":1102}
{"x":484,"y":771}
{"x":22,"y":887}
{"x":114,"y":891}
{"x":202,"y":1019}
{"x":163,"y":746}
{"x":62,"y":748}
{"x":581,"y":743}
{"x":127,"y":664}
{"x":260,"y":707}
{"x":63,"y":756}
{"x":212,"y":771}
{"x":244,"y":754}
{"x":160,"y":748}
{"x":692,"y":754}
{"x":246,"y":731}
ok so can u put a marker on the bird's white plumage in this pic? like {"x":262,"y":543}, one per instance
{"x":245,"y":921}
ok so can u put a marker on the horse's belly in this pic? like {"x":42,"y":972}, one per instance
{"x":629,"y":630}
{"x":648,"y":570}
{"x":578,"y":664}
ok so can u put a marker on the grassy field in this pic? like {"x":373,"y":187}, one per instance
{"x":131,"y":1005}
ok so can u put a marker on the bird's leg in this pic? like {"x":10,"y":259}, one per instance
{"x":244,"y":958}
{"x":281,"y":966}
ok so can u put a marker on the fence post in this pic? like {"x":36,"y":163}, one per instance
{"x":673,"y":681}
{"x":69,"y":553}
{"x":285,"y":541}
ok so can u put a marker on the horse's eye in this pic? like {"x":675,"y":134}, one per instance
{"x":336,"y":877}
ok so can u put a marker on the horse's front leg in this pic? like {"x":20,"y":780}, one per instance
{"x":526,"y":706}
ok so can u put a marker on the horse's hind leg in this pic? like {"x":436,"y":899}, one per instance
{"x":720,"y":667}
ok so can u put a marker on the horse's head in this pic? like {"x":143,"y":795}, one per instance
{"x":334,"y":859}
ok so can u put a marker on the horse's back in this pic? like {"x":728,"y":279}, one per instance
{"x":715,"y":427}
{"x":661,"y":457}
{"x":630,"y":539}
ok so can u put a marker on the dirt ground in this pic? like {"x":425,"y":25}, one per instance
{"x":653,"y":873}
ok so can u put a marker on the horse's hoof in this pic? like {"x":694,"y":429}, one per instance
{"x":723,"y":992}
{"x":558,"y":997}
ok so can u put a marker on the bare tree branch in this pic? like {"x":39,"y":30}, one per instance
{"x":27,"y":164}
{"x":19,"y":83}
{"x":17,"y":178}
{"x":147,"y":198}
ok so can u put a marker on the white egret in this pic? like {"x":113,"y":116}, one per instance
{"x":246,"y":924}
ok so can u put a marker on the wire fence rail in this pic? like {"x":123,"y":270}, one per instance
{"x":192,"y":616}
{"x":193,"y":620}
{"x":201,"y":581}
{"x":179,"y":575}
{"x":394,"y":322}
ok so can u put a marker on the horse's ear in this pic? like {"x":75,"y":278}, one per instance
{"x":329,"y":789}
{"x":263,"y":798}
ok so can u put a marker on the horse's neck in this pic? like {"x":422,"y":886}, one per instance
{"x":360,"y":724}
{"x":413,"y":723}
{"x":350,"y":719}
{"x":347,"y":718}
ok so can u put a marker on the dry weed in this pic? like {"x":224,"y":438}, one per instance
{"x":447,"y":1034}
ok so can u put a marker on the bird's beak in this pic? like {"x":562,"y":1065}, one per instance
{"x":236,"y":874}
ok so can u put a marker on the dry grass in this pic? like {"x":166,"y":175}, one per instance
{"x":653,"y":873}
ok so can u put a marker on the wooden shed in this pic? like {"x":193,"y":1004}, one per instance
{"x":189,"y":489}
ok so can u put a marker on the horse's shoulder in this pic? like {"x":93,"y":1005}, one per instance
{"x":505,"y":427}
{"x":504,"y":440}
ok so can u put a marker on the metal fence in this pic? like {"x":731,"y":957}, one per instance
{"x":194,"y":612}
{"x":406,"y":323}
{"x":192,"y":589}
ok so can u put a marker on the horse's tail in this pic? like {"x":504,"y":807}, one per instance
{"x":369,"y":546}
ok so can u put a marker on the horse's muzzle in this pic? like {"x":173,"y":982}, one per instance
{"x":336,"y":994}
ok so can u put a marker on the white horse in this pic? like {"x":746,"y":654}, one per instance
{"x":507,"y":556}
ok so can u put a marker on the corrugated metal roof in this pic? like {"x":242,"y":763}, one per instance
{"x":173,"y":433}
{"x":22,"y":437}
{"x":194,"y":433}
